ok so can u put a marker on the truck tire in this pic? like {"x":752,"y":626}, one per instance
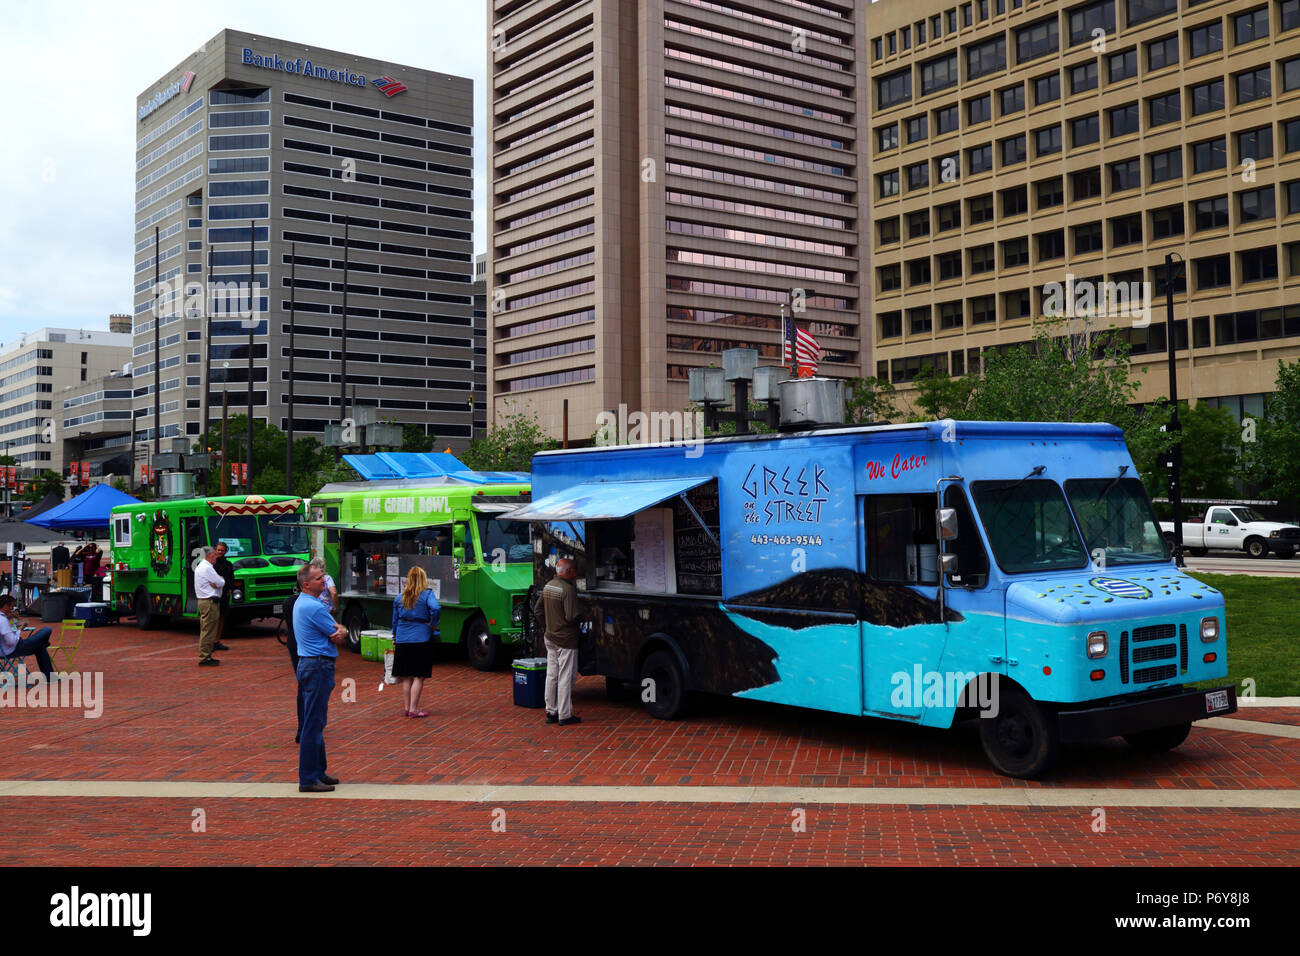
{"x":667,"y":692}
{"x":482,"y":647}
{"x":1024,"y":739}
{"x":354,"y":619}
{"x":1160,"y":739}
{"x":1256,"y":547}
{"x":145,"y":618}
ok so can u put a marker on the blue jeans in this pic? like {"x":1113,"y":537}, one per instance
{"x":315,"y":683}
{"x":37,"y":646}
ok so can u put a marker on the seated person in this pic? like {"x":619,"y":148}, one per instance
{"x":11,"y":645}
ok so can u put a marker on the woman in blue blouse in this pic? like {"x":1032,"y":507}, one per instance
{"x":415,"y":619}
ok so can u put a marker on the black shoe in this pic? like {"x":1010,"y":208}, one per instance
{"x":297,"y":738}
{"x":317,"y":787}
{"x":209,"y":662}
{"x":551,"y":718}
{"x":332,"y":781}
{"x":571,"y":720}
{"x":220,"y":647}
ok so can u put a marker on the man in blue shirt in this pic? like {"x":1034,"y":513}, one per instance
{"x":317,"y":635}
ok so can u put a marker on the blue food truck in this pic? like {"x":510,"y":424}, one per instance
{"x":928,"y":573}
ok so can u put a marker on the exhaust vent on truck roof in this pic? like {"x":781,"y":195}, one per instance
{"x":811,"y":403}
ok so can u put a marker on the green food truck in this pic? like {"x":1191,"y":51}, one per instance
{"x":371,"y":533}
{"x":157,"y":545}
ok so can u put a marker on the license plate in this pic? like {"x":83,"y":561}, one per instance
{"x":1215,"y":701}
{"x":279,"y":609}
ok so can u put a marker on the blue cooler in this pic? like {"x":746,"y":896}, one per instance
{"x":530,"y":681}
{"x":95,"y":615}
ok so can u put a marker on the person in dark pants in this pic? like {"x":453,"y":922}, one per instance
{"x":227,"y":572}
{"x":291,"y":642}
{"x":318,"y":636}
{"x":11,"y":645}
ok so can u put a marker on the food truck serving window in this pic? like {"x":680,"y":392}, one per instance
{"x":901,"y":545}
{"x":1029,"y":525}
{"x":1116,"y":520}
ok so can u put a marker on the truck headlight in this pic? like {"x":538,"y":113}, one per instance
{"x":1098,"y":645}
{"x":1209,"y":629}
{"x":237,"y":594}
{"x":517,"y":617}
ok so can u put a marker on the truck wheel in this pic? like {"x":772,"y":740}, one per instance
{"x":1160,"y":739}
{"x":354,"y":619}
{"x":666,"y":691}
{"x":1256,"y":548}
{"x":145,"y":619}
{"x":482,"y":648}
{"x":1023,"y":740}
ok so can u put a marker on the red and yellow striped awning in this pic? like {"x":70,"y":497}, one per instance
{"x":255,"y":505}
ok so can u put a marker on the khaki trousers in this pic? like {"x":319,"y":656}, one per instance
{"x":209,"y":624}
{"x":561,"y":672}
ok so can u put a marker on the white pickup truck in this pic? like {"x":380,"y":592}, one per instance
{"x":1236,"y":528}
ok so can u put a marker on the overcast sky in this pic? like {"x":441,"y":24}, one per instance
{"x":68,"y":124}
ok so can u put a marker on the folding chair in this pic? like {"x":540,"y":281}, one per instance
{"x":9,"y":669}
{"x":63,"y":650}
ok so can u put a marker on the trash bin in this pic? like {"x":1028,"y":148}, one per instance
{"x":54,"y":606}
{"x":530,"y":681}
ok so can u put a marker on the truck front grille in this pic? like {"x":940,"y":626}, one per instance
{"x":1154,"y":632}
{"x":1150,"y":674}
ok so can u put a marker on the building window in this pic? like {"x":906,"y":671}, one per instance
{"x":1013,"y":97}
{"x":947,"y":169}
{"x":1289,"y":14}
{"x":979,"y":209}
{"x":888,"y":183}
{"x":905,"y":35}
{"x":919,"y":321}
{"x":1051,"y":245}
{"x":1291,"y":75}
{"x":1253,"y":85}
{"x":1166,"y":222}
{"x":1164,"y":109}
{"x":1210,"y":154}
{"x":1085,"y":184}
{"x":1291,"y":135}
{"x":894,"y":89}
{"x":1255,"y":205}
{"x":1213,"y":272}
{"x":918,"y":176}
{"x":887,"y":137}
{"x":982,"y":259}
{"x":979,"y":109}
{"x":1167,"y":165}
{"x":1126,"y":230}
{"x":918,"y":224}
{"x":1207,"y":97}
{"x":938,"y":74}
{"x":891,"y":277}
{"x":983,"y":309}
{"x":1140,"y":11}
{"x":1013,"y":150}
{"x":1051,"y":192}
{"x":918,"y":272}
{"x":985,"y":58}
{"x":1162,"y":53}
{"x":1250,"y":26}
{"x":1123,"y":120}
{"x":1047,"y":140}
{"x":891,"y":325}
{"x":1015,"y":252}
{"x":1084,"y":21}
{"x":1207,"y":39}
{"x":1015,"y":201}
{"x":1037,"y":39}
{"x":1123,"y":65}
{"x":949,"y":265}
{"x":1015,"y":305}
{"x":979,"y":159}
{"x":1125,"y":175}
{"x":1293,"y":197}
{"x":1258,"y":265}
{"x":1083,"y":77}
{"x":1087,"y":238}
{"x":949,"y":216}
{"x":1047,"y":89}
{"x":888,"y":231}
{"x":946,"y":120}
{"x":950,"y":316}
{"x":1084,"y":130}
{"x":916,"y":128}
{"x":1210,"y":213}
{"x":1255,"y":144}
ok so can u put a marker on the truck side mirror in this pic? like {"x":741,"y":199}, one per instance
{"x":458,"y":554}
{"x":458,"y":536}
{"x":946,"y":524}
{"x":948,"y":563}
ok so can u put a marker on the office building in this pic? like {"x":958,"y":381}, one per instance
{"x":36,"y":370}
{"x":661,"y":175}
{"x":1014,"y":145}
{"x":309,"y":145}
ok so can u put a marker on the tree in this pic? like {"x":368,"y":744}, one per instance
{"x":44,"y":483}
{"x":939,"y":396}
{"x":1271,"y":448}
{"x":869,"y":400}
{"x":508,"y":445}
{"x":1211,"y":448}
{"x":414,"y":438}
{"x":312,"y":461}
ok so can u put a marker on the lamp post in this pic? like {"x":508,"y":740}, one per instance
{"x":1174,"y":463}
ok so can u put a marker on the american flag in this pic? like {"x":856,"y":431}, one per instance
{"x":806,"y":349}
{"x":388,"y":85}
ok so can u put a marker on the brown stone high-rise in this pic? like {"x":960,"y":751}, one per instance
{"x":662,"y":174}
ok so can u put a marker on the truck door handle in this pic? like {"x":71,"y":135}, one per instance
{"x":995,"y":660}
{"x":1012,"y":662}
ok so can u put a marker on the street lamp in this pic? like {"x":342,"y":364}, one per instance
{"x":1174,"y":463}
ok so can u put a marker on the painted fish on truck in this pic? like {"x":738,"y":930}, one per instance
{"x":927,"y":573}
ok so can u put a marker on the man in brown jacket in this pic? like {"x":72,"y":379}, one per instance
{"x":559,"y":602}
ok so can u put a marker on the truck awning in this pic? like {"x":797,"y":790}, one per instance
{"x":604,"y":500}
{"x":368,"y":527}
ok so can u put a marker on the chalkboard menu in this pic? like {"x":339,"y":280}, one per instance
{"x":698,"y":560}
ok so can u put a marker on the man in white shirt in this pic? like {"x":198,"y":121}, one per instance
{"x":11,"y":645}
{"x":208,"y":585}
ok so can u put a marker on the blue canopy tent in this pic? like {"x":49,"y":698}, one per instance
{"x":87,"y":512}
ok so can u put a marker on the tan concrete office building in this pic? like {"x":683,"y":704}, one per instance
{"x":661,"y":175}
{"x":1016,"y":143}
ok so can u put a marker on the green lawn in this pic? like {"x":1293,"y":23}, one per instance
{"x":1263,"y":632}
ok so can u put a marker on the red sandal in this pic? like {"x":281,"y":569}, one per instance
{"x":417,"y":713}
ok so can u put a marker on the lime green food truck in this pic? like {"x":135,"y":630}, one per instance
{"x":371,"y":533}
{"x":157,"y":545}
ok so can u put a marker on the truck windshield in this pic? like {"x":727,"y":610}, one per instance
{"x":507,"y":539}
{"x":1247,"y":514}
{"x":1029,"y":525}
{"x":281,"y":534}
{"x":1116,"y":520}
